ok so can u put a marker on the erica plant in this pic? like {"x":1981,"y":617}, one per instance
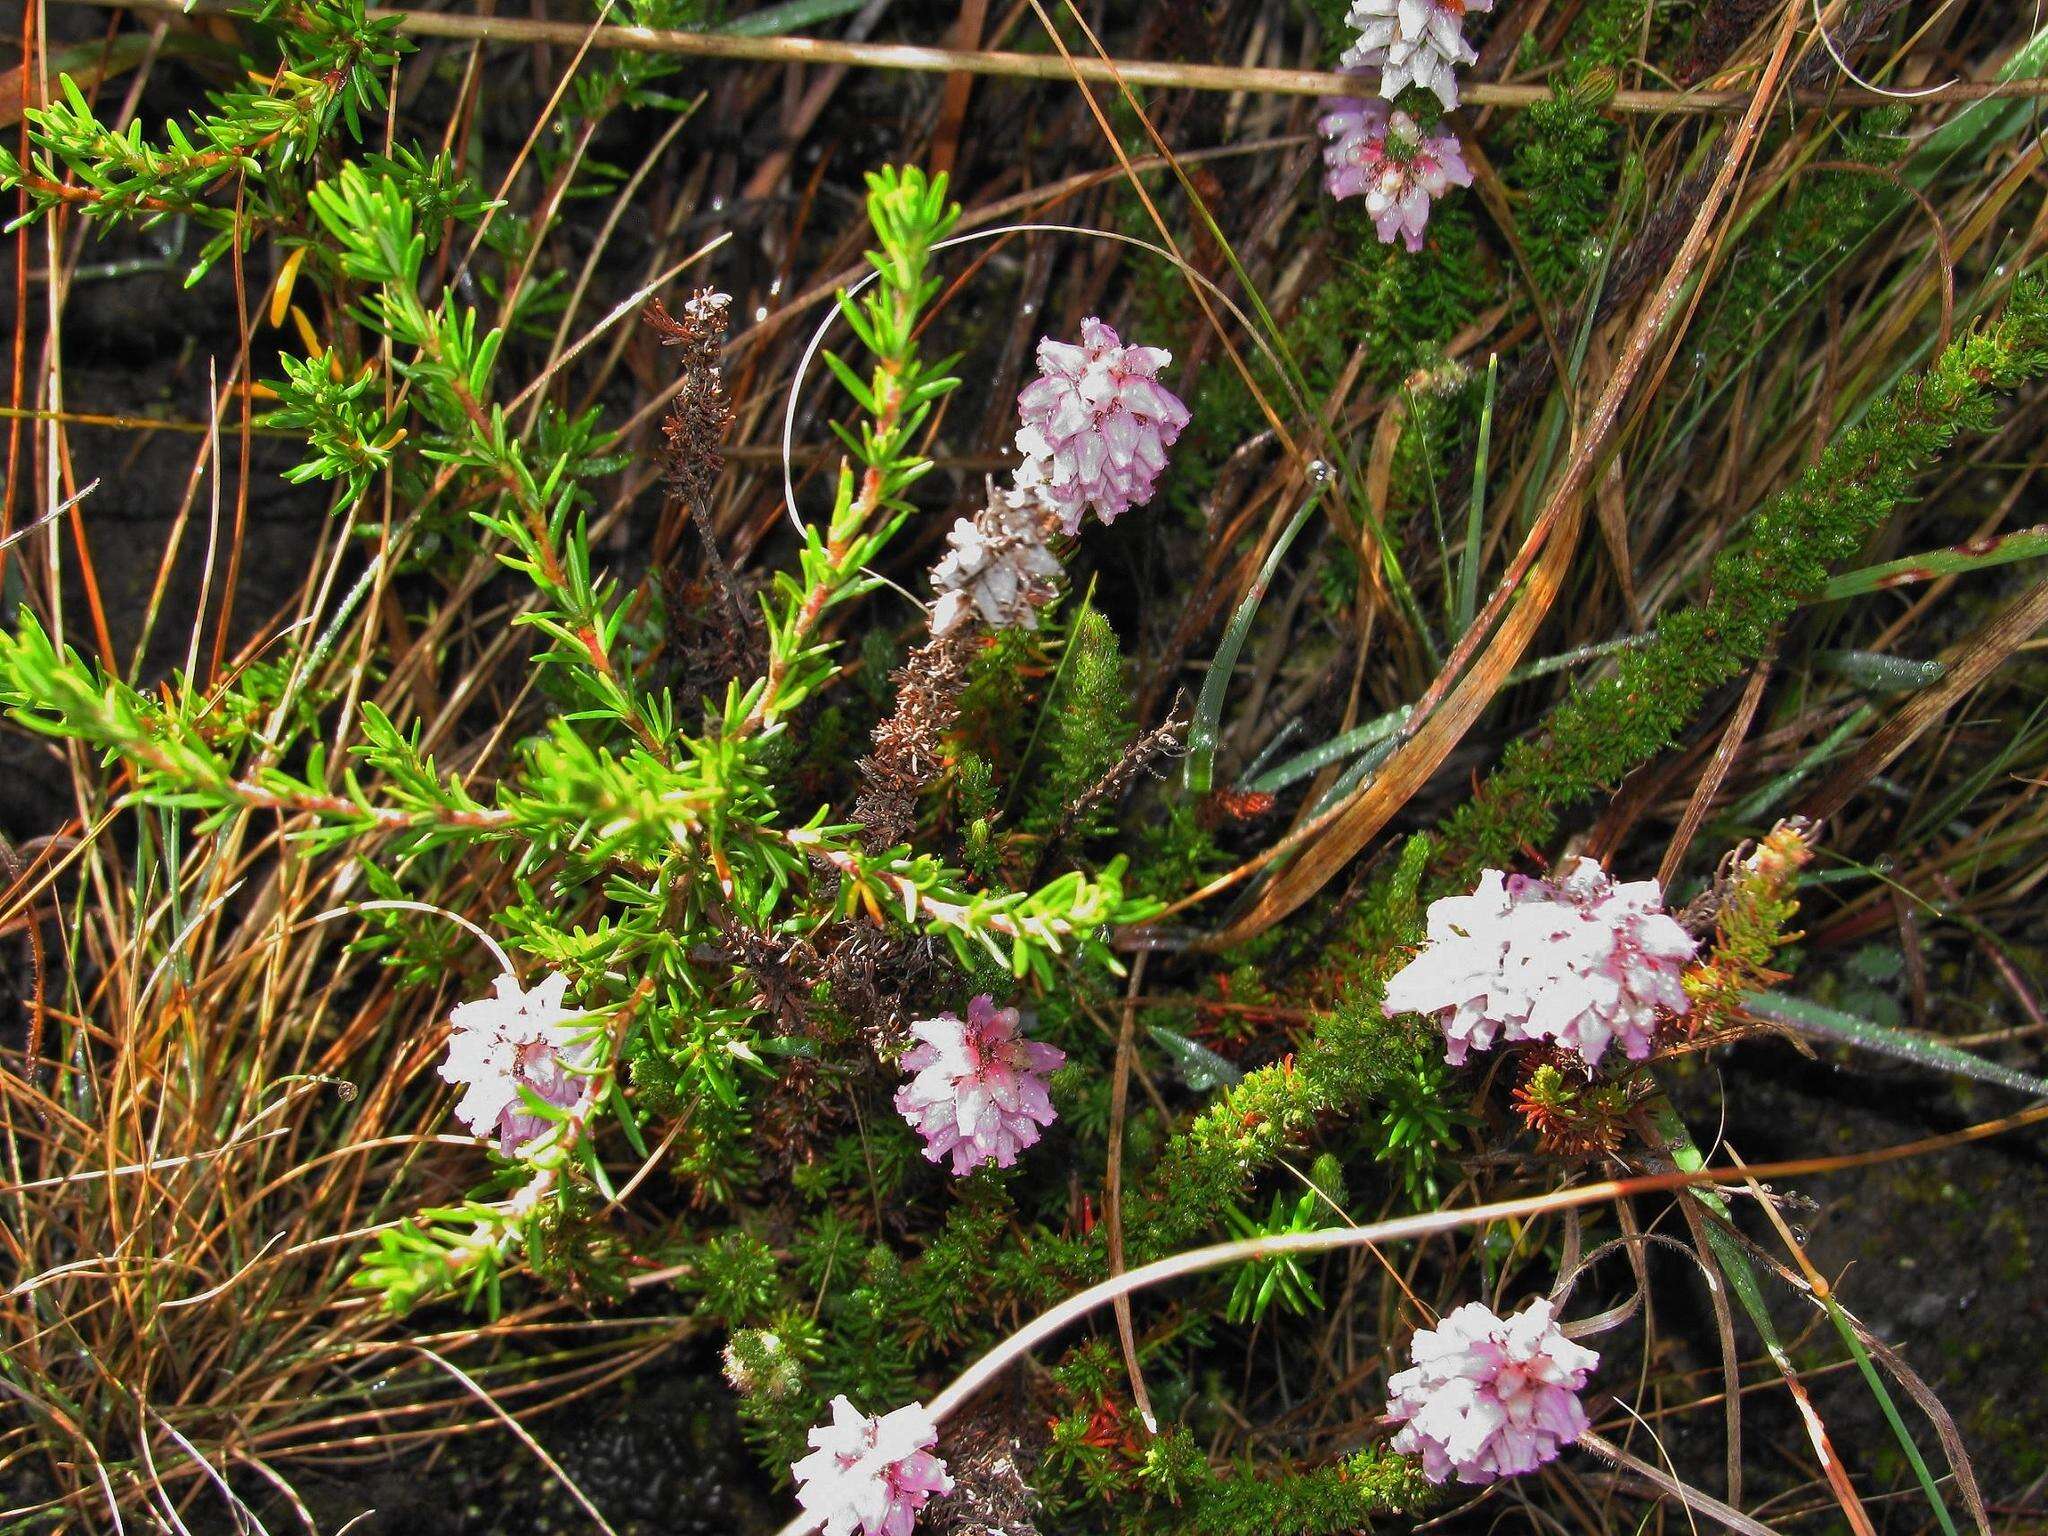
{"x":673,"y":937}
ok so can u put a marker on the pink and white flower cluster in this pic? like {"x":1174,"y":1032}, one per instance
{"x":513,"y":1039}
{"x":1095,"y":427}
{"x":1097,"y":424}
{"x":870,"y":1474}
{"x":1399,"y":169}
{"x":979,"y":1093}
{"x":1489,"y":1396}
{"x":1579,"y":961}
{"x":1413,"y":42}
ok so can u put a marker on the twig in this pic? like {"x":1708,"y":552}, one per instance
{"x":1717,"y":767}
{"x":1137,"y":758}
{"x":1024,"y":66}
{"x":1968,"y":665}
{"x":1664,"y":1482}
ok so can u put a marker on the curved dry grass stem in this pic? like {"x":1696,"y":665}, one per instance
{"x":524,"y":1436}
{"x":854,"y":286}
{"x":1694,"y":1501}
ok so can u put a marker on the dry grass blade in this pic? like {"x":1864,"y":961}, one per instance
{"x":1335,"y":838}
{"x":1119,"y":1104}
{"x":1717,"y":769}
{"x":1692,"y":1498}
{"x":1025,"y":66}
{"x":520,"y":1433}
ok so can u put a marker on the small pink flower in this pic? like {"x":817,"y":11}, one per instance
{"x":1413,"y":42}
{"x":1397,"y":168}
{"x":514,"y":1039}
{"x":1490,"y":1396}
{"x":1579,"y":961}
{"x":871,"y":1474}
{"x":1097,"y":425}
{"x":979,"y":1092}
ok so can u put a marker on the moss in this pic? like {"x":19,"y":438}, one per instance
{"x":1822,"y":218}
{"x":1565,"y":169}
{"x":1355,"y":1056}
{"x":1179,"y":853}
{"x":1400,"y":310}
{"x":1606,"y":36}
{"x":1321,"y":1501}
{"x":1334,"y":30}
{"x":1083,"y":731}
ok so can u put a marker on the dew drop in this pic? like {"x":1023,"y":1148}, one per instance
{"x":1319,"y":472}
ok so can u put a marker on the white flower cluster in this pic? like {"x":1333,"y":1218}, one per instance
{"x":1096,"y":425}
{"x":515,"y":1039}
{"x":1413,"y":42}
{"x":870,"y":1474}
{"x":1094,"y":429}
{"x":1398,"y":168}
{"x":998,"y":566}
{"x":1579,"y":961}
{"x":978,"y":1095}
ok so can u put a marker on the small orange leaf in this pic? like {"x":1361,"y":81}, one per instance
{"x":287,"y":278}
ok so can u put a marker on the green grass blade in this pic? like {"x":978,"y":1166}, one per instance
{"x":1475,"y":515}
{"x":1983,"y":124}
{"x":1743,"y":1284}
{"x":1876,"y":672}
{"x":791,"y":16}
{"x":1199,"y":775}
{"x":1957,"y":560}
{"x":1199,"y":1067}
{"x":1891,"y":1413}
{"x":1766,"y":799}
{"x":1335,"y":750}
{"x":1375,"y":731}
{"x":1811,"y":1018}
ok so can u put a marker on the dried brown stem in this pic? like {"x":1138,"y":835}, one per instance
{"x":1029,"y":66}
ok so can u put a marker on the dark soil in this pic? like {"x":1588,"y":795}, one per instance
{"x":659,"y":1455}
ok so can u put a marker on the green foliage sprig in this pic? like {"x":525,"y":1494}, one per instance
{"x":911,"y":216}
{"x":1347,"y":1496}
{"x":1284,"y":1279}
{"x":332,"y":64}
